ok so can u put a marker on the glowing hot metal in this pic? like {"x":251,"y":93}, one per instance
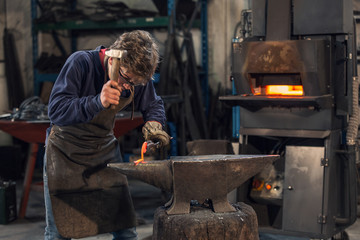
{"x":143,"y":150}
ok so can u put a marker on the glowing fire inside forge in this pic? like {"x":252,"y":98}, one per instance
{"x":293,"y":90}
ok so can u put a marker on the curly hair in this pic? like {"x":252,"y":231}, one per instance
{"x":142,"y":53}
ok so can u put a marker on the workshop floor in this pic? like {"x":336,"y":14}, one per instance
{"x":146,"y":199}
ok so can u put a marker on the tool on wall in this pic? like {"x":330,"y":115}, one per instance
{"x":179,"y":76}
{"x":15,"y":87}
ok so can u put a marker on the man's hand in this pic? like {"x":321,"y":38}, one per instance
{"x":110,"y":94}
{"x":153,"y":131}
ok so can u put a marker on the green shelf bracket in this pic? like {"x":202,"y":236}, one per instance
{"x":150,"y":22}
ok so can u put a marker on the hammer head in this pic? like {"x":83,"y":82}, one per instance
{"x":116,"y":53}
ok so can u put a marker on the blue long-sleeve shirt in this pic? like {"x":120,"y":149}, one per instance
{"x":75,"y":97}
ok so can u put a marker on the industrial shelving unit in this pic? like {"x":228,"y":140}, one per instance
{"x":127,"y":23}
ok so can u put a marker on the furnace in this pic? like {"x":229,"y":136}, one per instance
{"x":296,"y":86}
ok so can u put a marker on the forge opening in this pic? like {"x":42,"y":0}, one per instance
{"x":276,"y":84}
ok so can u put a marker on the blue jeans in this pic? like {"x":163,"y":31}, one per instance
{"x":51,"y":232}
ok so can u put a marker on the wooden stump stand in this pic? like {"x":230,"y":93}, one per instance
{"x":204,"y":224}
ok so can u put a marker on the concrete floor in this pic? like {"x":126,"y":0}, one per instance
{"x":146,"y":199}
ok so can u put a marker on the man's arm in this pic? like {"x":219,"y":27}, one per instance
{"x":150,"y":104}
{"x":73,"y":98}
{"x":152,"y":107}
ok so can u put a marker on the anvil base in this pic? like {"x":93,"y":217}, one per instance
{"x":203,"y":223}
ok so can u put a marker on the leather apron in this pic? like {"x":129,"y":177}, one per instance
{"x":88,"y":198}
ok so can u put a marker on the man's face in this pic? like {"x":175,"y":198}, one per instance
{"x":128,"y":79}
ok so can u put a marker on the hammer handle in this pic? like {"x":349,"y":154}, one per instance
{"x":114,"y":72}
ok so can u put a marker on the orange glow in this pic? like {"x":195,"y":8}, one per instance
{"x":258,"y":184}
{"x":143,"y":150}
{"x":268,"y":186}
{"x":293,"y":90}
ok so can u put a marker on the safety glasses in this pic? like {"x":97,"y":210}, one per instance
{"x":128,"y":80}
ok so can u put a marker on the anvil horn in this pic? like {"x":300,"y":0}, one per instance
{"x":156,"y":173}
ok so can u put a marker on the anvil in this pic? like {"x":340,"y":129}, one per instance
{"x":201,"y":178}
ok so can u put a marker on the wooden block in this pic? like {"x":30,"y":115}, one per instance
{"x":204,"y":224}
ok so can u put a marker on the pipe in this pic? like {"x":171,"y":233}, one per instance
{"x":354,"y":121}
{"x":352,"y":130}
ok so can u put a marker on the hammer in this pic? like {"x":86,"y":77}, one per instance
{"x":116,"y":54}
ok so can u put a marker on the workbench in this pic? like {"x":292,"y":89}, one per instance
{"x":34,"y":133}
